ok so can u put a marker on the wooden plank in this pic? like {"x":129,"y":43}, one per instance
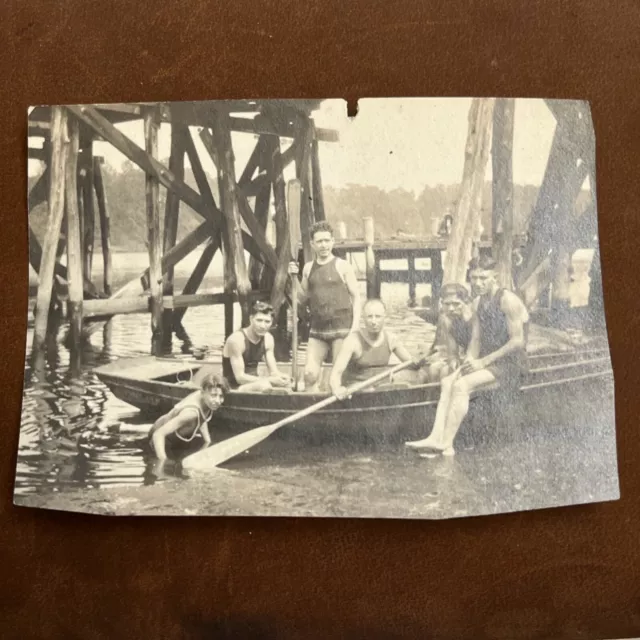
{"x":152,"y":192}
{"x":100,"y":125}
{"x":316,"y":185}
{"x":282,"y":227}
{"x":236,"y":272}
{"x":196,"y":277}
{"x":74,"y":242}
{"x":466,"y":222}
{"x":302,"y":173}
{"x":59,"y":154}
{"x":502,"y":169}
{"x":35,"y":153}
{"x":113,"y":306}
{"x":105,"y":223}
{"x":88,"y":213}
{"x":265,"y":126}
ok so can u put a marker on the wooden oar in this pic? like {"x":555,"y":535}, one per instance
{"x":293,"y":212}
{"x":230,"y":448}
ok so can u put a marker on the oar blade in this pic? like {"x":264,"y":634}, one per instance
{"x":294,"y":198}
{"x":227,"y":449}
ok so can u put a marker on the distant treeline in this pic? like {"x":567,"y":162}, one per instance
{"x":394,"y":212}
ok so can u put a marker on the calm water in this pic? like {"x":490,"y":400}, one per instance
{"x":69,"y":435}
{"x":76,"y":435}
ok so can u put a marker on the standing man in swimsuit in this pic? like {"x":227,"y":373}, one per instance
{"x":496,"y":354}
{"x":330,"y":287}
{"x":246,"y":348}
{"x":367,"y":351}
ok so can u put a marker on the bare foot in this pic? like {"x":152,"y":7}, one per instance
{"x":427,"y":443}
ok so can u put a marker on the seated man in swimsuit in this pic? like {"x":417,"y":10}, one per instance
{"x":190,"y":416}
{"x":453,"y":333}
{"x":246,"y":348}
{"x":366,"y":352}
{"x":496,"y":354}
{"x":330,"y":287}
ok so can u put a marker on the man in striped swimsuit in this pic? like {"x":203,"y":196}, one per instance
{"x":330,"y":287}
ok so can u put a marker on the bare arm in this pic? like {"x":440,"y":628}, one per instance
{"x":474,"y":343}
{"x":352,"y":285}
{"x":206,"y":436}
{"x":303,"y":289}
{"x":235,"y":350}
{"x":276,"y":377}
{"x":516,"y":315}
{"x":398,"y":349}
{"x":340,"y":365}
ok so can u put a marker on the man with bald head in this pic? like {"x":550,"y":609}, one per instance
{"x":366,"y":352}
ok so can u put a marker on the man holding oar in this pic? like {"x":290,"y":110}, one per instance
{"x":367,"y":351}
{"x":496,"y":354}
{"x":330,"y":286}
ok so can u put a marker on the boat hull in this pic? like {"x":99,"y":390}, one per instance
{"x":555,"y":386}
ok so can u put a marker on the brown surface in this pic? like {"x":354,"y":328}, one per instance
{"x":559,"y":573}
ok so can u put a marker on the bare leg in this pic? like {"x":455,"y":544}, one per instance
{"x":459,"y":405}
{"x":316,"y":353}
{"x":433,"y":441}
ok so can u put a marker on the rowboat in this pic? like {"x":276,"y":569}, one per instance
{"x":557,"y":384}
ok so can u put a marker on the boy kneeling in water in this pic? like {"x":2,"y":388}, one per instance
{"x":190,"y":416}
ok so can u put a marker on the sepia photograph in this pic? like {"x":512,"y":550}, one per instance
{"x":302,"y":308}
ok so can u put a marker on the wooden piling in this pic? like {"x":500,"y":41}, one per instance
{"x":59,"y":153}
{"x":74,"y":244}
{"x":152,"y":192}
{"x":437,"y":275}
{"x":318,"y":196}
{"x":502,"y":169}
{"x":88,"y":213}
{"x":466,"y":221}
{"x":373,"y":281}
{"x":411,"y":277}
{"x":236,"y":275}
{"x":171,"y":215}
{"x":303,"y":164}
{"x":105,"y":223}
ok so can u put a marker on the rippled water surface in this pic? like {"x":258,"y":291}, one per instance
{"x":75,"y":435}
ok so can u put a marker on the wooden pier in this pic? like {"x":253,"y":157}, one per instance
{"x":236,"y":221}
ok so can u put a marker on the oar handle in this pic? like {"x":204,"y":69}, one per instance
{"x":359,"y":386}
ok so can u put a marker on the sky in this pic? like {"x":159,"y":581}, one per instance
{"x":392,"y":143}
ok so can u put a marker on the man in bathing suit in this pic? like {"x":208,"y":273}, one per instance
{"x":366,"y":352}
{"x":190,"y":416}
{"x":496,"y":353}
{"x":330,"y":287}
{"x":246,"y":348}
{"x":453,"y":333}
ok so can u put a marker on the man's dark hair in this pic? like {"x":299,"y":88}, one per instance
{"x":261,"y":307}
{"x":214,"y":381}
{"x":486,"y":263}
{"x":456,"y":290}
{"x":323,"y":225}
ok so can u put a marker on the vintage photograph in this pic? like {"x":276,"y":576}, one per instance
{"x":282,"y":308}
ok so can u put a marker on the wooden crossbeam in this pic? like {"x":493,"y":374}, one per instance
{"x":264,"y":126}
{"x":98,"y":123}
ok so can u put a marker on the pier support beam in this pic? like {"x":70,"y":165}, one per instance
{"x":74,"y":247}
{"x":59,"y":153}
{"x":152,"y":191}
{"x":88,"y":213}
{"x":235,"y":275}
{"x":502,"y":166}
{"x":303,"y":166}
{"x":318,"y":196}
{"x":372,"y":265}
{"x":105,"y":223}
{"x":464,"y":230}
{"x":171,"y":215}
